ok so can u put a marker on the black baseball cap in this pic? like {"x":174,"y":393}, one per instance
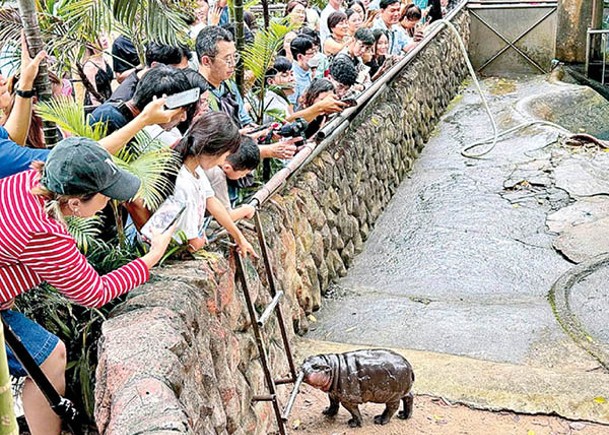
{"x":80,"y":166}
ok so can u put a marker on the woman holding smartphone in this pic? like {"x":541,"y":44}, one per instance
{"x":78,"y":179}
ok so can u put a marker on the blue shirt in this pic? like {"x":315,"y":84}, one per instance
{"x":111,"y":115}
{"x":394,"y":38}
{"x":402,"y":39}
{"x":15,"y":158}
{"x":303,"y":81}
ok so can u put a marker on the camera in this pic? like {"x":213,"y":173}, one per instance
{"x":292,"y":129}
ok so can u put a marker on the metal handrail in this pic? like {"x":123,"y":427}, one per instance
{"x":603,"y":33}
{"x":341,"y":122}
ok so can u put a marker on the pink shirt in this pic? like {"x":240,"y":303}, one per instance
{"x":36,"y":248}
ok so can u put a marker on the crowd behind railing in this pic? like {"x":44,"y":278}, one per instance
{"x":187,"y":100}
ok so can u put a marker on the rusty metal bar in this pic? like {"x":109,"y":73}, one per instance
{"x":269,"y":309}
{"x":604,"y":42}
{"x":261,"y":348}
{"x":284,"y":381}
{"x":288,"y":408}
{"x":264,"y":398}
{"x":587,"y":52}
{"x":273,"y":290}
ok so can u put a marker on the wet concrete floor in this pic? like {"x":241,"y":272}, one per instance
{"x":461,"y":262}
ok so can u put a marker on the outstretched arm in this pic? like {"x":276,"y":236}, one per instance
{"x":18,"y":123}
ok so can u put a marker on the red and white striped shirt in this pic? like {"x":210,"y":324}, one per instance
{"x":36,"y":248}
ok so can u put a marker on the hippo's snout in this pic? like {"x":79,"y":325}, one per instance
{"x":317,"y":372}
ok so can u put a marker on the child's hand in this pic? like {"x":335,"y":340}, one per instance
{"x":245,"y":248}
{"x":195,"y":244}
{"x":249,"y":211}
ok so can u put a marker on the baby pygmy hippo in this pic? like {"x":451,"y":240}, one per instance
{"x":370,"y":375}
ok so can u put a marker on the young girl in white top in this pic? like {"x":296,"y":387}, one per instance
{"x":208,"y":141}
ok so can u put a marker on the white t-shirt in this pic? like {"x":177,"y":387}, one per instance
{"x":193,"y":192}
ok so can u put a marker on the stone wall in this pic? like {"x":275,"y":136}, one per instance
{"x":178,"y":356}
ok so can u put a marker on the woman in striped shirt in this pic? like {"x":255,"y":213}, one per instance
{"x":78,"y":179}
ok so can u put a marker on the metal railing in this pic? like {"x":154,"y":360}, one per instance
{"x":604,"y":38}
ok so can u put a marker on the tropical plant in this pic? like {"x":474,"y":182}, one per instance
{"x":259,"y":56}
{"x":149,"y":160}
{"x":86,"y":232}
{"x":70,"y":116}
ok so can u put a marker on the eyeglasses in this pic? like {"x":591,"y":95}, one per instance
{"x":231,"y":60}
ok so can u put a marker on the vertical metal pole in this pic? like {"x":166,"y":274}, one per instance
{"x":273,"y":290}
{"x":604,"y":43}
{"x":261,"y":348}
{"x":587,"y":52}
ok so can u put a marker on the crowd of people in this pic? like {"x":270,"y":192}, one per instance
{"x":327,"y":59}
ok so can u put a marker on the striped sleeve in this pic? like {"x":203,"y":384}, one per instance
{"x":55,"y":258}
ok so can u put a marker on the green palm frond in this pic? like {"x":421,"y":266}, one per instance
{"x":86,"y":17}
{"x":86,"y":231}
{"x":69,"y":115}
{"x":259,"y":55}
{"x":156,"y":20}
{"x":10,"y":26}
{"x":152,"y":162}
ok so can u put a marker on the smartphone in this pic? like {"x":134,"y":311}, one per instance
{"x":350,"y":102}
{"x":164,"y":218}
{"x":182,"y":99}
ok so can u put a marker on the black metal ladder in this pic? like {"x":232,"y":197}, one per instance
{"x":258,"y":322}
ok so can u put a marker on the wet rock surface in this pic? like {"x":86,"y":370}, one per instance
{"x":590,"y":303}
{"x":462,"y":260}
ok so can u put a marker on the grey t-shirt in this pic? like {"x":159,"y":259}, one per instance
{"x":217,"y":179}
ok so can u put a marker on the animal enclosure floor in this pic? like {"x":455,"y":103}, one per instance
{"x":431,"y":416}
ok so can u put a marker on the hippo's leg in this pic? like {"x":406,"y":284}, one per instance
{"x":390,"y":409}
{"x":407,"y":400}
{"x":356,"y":421}
{"x":331,"y":410}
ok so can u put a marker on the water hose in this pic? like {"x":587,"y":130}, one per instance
{"x":467,"y":150}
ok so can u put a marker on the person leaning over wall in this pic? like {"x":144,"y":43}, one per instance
{"x":207,"y":143}
{"x":78,"y":179}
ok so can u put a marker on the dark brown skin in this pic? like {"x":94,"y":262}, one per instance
{"x":369,"y":375}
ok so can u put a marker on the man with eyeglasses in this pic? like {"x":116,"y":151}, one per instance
{"x":218,"y":59}
{"x":302,"y":52}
